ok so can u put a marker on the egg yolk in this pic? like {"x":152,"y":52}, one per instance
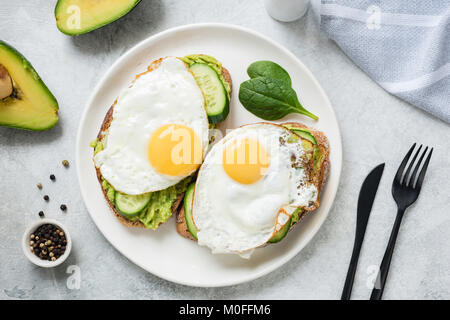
{"x":245,"y":161}
{"x":175,"y":150}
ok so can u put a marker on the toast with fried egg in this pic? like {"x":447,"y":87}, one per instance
{"x":315,"y":163}
{"x":173,"y":195}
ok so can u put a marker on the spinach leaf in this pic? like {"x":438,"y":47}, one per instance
{"x":270,"y":99}
{"x":268,"y":69}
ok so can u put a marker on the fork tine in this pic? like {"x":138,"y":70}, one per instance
{"x":416,"y":169}
{"x":405,"y":177}
{"x":399,"y":174}
{"x":423,"y":171}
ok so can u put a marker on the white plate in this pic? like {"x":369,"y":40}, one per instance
{"x":163,"y":252}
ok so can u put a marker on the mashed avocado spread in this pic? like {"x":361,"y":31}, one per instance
{"x":159,"y":209}
{"x":296,"y":215}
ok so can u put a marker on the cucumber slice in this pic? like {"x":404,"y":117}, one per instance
{"x":131,"y":206}
{"x":277,"y":237}
{"x":304,"y":133}
{"x":188,"y":197}
{"x":216,"y":97}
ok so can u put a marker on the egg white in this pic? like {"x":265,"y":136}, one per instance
{"x":166,"y":95}
{"x":236,"y":218}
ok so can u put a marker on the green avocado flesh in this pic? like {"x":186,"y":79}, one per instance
{"x":31,"y":105}
{"x":159,"y":208}
{"x":75,"y":17}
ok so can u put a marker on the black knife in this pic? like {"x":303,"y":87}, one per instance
{"x":365,"y":201}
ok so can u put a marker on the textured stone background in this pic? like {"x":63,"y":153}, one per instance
{"x":376,"y":127}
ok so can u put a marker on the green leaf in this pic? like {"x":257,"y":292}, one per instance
{"x":270,"y":99}
{"x":268,"y":69}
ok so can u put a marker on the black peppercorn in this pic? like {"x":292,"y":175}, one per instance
{"x":46,"y":198}
{"x":63,"y":207}
{"x":46,"y":249}
{"x":41,"y":214}
{"x":52,"y":177}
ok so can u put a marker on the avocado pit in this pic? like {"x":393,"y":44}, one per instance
{"x":6,"y":85}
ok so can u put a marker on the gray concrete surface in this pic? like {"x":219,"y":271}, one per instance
{"x":376,"y":127}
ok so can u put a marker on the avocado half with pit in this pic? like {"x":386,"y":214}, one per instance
{"x":25,"y":101}
{"x":75,"y":17}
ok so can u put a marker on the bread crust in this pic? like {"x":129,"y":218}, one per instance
{"x":103,"y":131}
{"x":319,"y":180}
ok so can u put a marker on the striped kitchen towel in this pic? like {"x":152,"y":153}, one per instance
{"x":404,"y":45}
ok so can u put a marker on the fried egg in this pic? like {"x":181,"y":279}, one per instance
{"x":248,"y":187}
{"x":159,"y":131}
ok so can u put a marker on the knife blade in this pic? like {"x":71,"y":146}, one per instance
{"x":365,"y":202}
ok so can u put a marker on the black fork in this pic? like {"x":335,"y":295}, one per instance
{"x":405,"y":190}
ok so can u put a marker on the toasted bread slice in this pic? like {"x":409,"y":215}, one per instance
{"x":317,"y":179}
{"x":104,"y":132}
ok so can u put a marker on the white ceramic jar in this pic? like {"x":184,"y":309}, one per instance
{"x":286,"y":10}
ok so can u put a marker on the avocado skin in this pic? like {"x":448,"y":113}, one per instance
{"x":34,"y":76}
{"x":86,"y":30}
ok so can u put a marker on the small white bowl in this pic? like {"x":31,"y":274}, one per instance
{"x":35,"y":259}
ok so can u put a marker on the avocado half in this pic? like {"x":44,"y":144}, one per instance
{"x":75,"y":17}
{"x":25,"y":100}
